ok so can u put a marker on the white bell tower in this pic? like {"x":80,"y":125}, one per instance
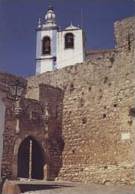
{"x":46,"y":43}
{"x":56,"y":49}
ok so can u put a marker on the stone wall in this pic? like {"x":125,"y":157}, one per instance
{"x":125,"y":34}
{"x":52,"y":99}
{"x":97,"y":55}
{"x":82,"y":116}
{"x":2,"y":127}
{"x":33,"y":124}
{"x":7,"y":124}
{"x":98,"y":123}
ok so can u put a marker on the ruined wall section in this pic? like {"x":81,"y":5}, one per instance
{"x":125,"y":34}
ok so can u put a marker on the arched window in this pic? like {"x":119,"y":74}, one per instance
{"x":69,"y":40}
{"x":46,"y":46}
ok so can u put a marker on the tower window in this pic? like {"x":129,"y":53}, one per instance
{"x":46,"y":46}
{"x":69,"y":40}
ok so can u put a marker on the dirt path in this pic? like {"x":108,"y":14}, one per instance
{"x":74,"y":188}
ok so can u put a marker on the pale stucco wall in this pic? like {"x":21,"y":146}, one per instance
{"x":66,"y":57}
{"x":45,"y":62}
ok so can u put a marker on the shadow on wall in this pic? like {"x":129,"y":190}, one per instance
{"x":53,"y":98}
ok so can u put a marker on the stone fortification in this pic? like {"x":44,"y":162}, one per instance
{"x":90,"y":131}
{"x":98,"y":123}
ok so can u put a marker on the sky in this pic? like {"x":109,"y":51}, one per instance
{"x":19,"y":18}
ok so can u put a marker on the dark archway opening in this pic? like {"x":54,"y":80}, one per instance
{"x":36,"y":163}
{"x":69,"y":41}
{"x":46,"y":46}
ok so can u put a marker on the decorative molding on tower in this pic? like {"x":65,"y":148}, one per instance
{"x":49,"y":21}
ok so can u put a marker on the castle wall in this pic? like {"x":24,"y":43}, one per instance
{"x":97,"y":55}
{"x":7,"y":123}
{"x":98,"y":123}
{"x":125,"y":34}
{"x":2,"y":122}
{"x":28,"y":127}
{"x":32,"y":124}
{"x":90,"y":131}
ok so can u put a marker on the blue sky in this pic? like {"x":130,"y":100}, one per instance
{"x":18,"y":20}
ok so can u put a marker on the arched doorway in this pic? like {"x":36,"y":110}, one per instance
{"x":30,"y":159}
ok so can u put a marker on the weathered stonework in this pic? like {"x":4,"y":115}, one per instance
{"x":90,"y":132}
{"x":33,"y":124}
{"x":98,"y":96}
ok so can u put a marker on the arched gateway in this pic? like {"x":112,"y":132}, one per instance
{"x":31,"y":159}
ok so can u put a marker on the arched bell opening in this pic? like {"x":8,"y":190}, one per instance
{"x":46,"y":45}
{"x":69,"y":41}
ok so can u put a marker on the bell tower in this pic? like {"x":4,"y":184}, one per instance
{"x":46,"y":43}
{"x":55,"y":48}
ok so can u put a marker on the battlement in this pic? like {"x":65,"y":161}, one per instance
{"x":125,"y":34}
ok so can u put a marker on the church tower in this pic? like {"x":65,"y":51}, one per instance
{"x":57,"y":49}
{"x":46,"y":43}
